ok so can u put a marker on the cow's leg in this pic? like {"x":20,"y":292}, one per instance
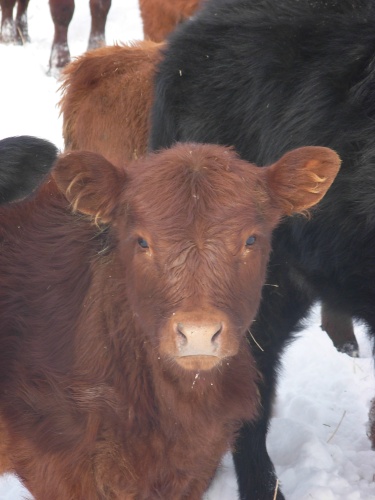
{"x":21,"y":21}
{"x":99,"y":12}
{"x":61,"y":12}
{"x":339,"y":327}
{"x":8,"y":32}
{"x":284,"y":304}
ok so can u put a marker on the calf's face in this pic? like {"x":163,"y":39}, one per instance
{"x":193,"y":228}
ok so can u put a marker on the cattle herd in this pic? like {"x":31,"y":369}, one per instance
{"x":138,"y":327}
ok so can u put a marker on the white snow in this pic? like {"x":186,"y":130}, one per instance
{"x":318,"y":437}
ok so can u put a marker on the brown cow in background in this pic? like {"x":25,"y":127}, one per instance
{"x":124,"y":366}
{"x":160,"y":17}
{"x":107,"y":97}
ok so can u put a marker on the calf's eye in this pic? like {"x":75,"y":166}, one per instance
{"x":142,"y":243}
{"x":250,"y":241}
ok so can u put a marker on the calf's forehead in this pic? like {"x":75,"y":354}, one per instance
{"x":195,"y":185}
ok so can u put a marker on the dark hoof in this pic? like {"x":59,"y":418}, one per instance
{"x":96,"y":42}
{"x":9,"y":33}
{"x":350,"y":348}
{"x":60,"y":57}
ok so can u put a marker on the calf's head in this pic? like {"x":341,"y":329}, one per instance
{"x":193,"y":227}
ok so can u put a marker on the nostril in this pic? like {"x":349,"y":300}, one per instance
{"x":181,"y":336}
{"x":216,"y":335}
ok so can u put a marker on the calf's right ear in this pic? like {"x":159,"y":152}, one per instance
{"x":302,"y":177}
{"x":90,"y":183}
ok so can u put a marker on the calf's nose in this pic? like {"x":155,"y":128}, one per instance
{"x":198,"y":339}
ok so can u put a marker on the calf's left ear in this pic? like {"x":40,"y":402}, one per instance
{"x":90,"y":183}
{"x":302,"y":177}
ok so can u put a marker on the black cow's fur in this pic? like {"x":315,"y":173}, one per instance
{"x":267,"y":76}
{"x":24,"y":163}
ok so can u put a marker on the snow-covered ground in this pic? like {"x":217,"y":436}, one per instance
{"x":318,"y":434}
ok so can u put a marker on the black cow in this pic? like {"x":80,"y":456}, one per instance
{"x":267,"y":77}
{"x":24,"y":163}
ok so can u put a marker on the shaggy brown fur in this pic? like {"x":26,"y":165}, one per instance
{"x":95,"y":398}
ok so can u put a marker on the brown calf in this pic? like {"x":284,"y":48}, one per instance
{"x":124,"y":365}
{"x":107,"y":96}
